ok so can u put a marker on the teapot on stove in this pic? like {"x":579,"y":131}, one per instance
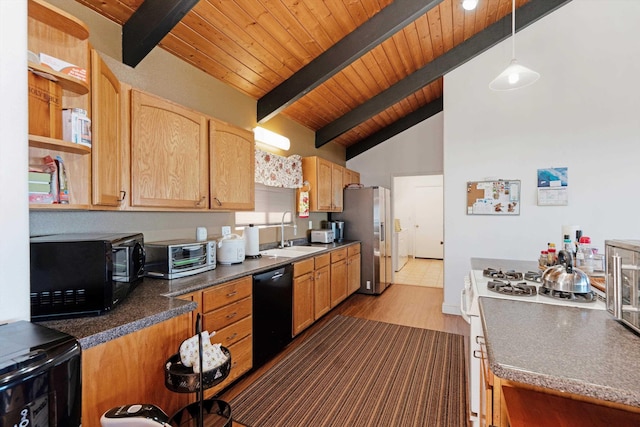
{"x":564,"y":277}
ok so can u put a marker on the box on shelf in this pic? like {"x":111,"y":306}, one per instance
{"x":64,"y":67}
{"x":45,"y":107}
{"x":76,"y":126}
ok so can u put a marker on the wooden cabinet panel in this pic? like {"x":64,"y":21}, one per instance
{"x":232,"y":164}
{"x":303,"y":315}
{"x":224,"y":316}
{"x":221,"y":295}
{"x":130,"y":369}
{"x":303,"y":267}
{"x":350,"y":177}
{"x":326,"y":183}
{"x":106,"y":135}
{"x":353,"y":271}
{"x":338,"y":282}
{"x":322,"y":291}
{"x":338,"y":255}
{"x":169,"y":154}
{"x":322,"y":260}
{"x":241,"y":362}
{"x":234,"y":332}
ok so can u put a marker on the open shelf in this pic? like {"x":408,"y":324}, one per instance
{"x":65,"y":81}
{"x":58,"y":19}
{"x":38,"y":141}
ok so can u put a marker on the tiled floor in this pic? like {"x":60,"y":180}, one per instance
{"x":421,"y":272}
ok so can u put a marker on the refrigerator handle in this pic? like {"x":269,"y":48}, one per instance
{"x":617,"y":286}
{"x":382,"y":231}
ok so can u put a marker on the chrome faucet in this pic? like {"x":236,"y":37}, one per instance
{"x":295,"y":227}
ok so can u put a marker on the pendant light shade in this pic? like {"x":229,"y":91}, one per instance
{"x":515,"y":76}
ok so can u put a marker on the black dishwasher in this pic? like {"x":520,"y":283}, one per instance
{"x":272,"y":313}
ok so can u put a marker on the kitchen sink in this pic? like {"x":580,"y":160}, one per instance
{"x":291,"y":252}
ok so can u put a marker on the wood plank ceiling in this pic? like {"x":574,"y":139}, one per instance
{"x":256,"y":45}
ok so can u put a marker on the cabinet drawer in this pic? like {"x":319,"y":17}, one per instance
{"x":322,"y":260}
{"x":353,"y":250}
{"x":338,"y":255}
{"x":222,"y":295}
{"x":241,"y":362}
{"x":234,"y":332}
{"x":302,"y":267}
{"x":223,"y":317}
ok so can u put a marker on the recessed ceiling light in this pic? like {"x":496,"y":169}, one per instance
{"x":469,"y":4}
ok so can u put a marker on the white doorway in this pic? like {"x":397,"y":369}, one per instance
{"x":429,"y":222}
{"x":418,"y":209}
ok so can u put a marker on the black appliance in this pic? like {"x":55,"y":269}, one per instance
{"x":80,"y":274}
{"x":272,"y":313}
{"x":39,"y":377}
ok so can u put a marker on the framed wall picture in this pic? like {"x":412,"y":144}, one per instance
{"x":500,"y":197}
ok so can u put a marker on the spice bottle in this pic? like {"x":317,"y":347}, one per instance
{"x":542,"y":261}
{"x":551,"y":256}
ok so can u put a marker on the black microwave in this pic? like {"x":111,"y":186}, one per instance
{"x":83,"y":274}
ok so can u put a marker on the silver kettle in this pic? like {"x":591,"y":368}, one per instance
{"x":564,"y":277}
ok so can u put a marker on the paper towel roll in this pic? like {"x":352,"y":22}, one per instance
{"x":252,"y":240}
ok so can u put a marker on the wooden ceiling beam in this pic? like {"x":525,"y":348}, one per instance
{"x":380,"y":27}
{"x":148,"y":25}
{"x":408,"y":121}
{"x":492,"y":35}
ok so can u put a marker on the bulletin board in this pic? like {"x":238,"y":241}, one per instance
{"x":493,"y":197}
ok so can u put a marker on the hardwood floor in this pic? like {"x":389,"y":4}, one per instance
{"x":414,"y":306}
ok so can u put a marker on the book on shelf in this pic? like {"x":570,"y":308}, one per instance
{"x":39,"y":187}
{"x":39,"y":177}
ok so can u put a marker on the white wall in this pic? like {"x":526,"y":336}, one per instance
{"x":416,"y":151}
{"x":14,"y":218}
{"x":584,"y":113}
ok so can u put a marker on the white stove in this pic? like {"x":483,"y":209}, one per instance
{"x":527,"y":289}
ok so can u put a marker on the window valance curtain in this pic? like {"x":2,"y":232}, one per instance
{"x":278,"y":171}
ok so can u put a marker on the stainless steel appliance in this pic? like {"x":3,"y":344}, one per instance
{"x":272,"y":313}
{"x":83,"y":274}
{"x":367,"y":217}
{"x":39,"y":377}
{"x":322,"y":236}
{"x":506,"y":279}
{"x":337,"y":228}
{"x":171,"y":259}
{"x":623,"y":281}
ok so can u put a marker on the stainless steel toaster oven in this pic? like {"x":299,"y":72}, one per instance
{"x":171,"y":259}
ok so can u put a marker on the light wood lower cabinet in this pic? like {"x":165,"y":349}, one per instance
{"x":338,"y":276}
{"x":227,"y":310}
{"x":322,"y":286}
{"x":130,"y":369}
{"x":303,"y":301}
{"x":353,"y":268}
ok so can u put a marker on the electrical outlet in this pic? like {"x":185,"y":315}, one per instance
{"x":226,"y":230}
{"x":310,"y":225}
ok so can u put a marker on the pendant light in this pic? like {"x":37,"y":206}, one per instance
{"x":515,"y":75}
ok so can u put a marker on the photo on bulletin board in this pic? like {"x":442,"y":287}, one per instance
{"x":553,"y":187}
{"x":500,"y":197}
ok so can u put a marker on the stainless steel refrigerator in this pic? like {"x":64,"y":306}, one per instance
{"x":367,"y":218}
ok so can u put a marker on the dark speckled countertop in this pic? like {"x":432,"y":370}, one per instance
{"x":153,"y":300}
{"x":577,"y":350}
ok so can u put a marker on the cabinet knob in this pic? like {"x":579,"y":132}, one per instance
{"x":202,"y":199}
{"x":123,"y":194}
{"x":230,"y":294}
{"x":218,"y":202}
{"x":232,"y":315}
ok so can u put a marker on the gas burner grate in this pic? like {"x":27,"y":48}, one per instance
{"x":587,"y":298}
{"x":516,"y":289}
{"x":499,"y":274}
{"x":533,"y":276}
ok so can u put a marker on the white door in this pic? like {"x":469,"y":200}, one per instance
{"x":429,"y":222}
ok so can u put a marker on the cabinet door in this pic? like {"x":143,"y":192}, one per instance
{"x":105,"y":134}
{"x":337,"y":178}
{"x":232,"y":164}
{"x":338,"y":282}
{"x":302,"y":302}
{"x":353,"y":273}
{"x":322,"y":291}
{"x":323,"y":185}
{"x":169,"y":154}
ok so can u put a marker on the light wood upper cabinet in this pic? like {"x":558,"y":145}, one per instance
{"x":327,"y":183}
{"x":169,"y":154}
{"x":232,"y":165}
{"x":106,"y":131}
{"x":350,"y":177}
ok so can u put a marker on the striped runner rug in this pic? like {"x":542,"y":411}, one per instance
{"x":357,"y":372}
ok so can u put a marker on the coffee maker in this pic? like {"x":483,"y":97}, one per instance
{"x":338,"y":229}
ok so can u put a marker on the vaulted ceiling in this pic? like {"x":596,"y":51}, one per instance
{"x":355,"y":71}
